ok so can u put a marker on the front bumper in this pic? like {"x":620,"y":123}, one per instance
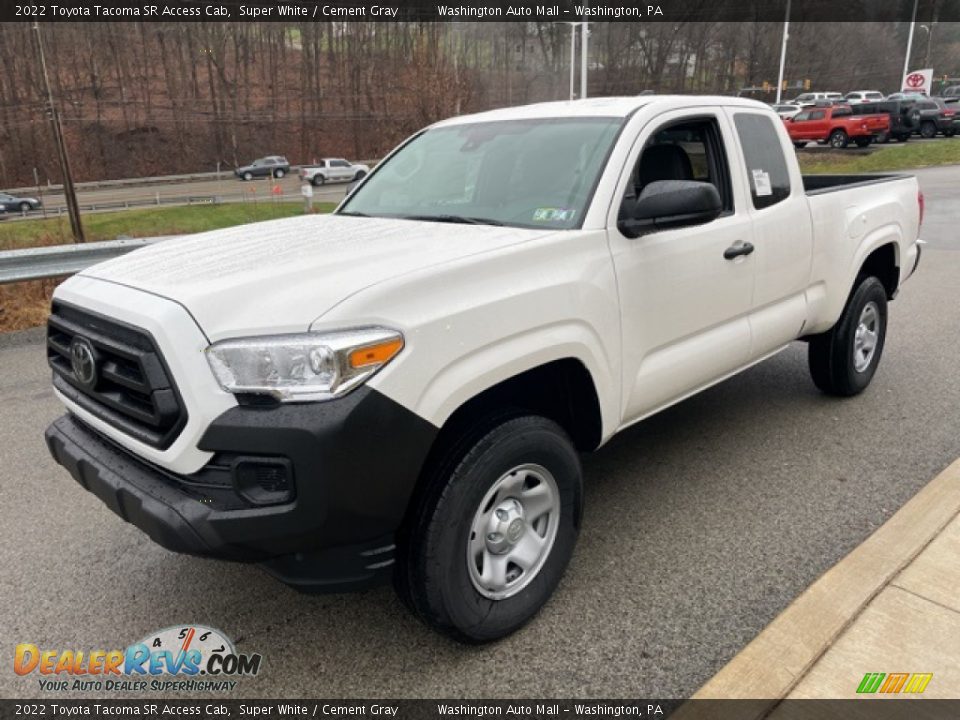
{"x":355,"y":462}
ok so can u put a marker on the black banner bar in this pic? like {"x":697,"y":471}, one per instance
{"x":478,"y":11}
{"x":890,"y":708}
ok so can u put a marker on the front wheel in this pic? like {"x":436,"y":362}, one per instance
{"x":799,"y":145}
{"x":928,"y":130}
{"x":279,"y":174}
{"x":844,"y":359}
{"x":248,"y":176}
{"x":359,"y":176}
{"x":838,"y":139}
{"x":25,"y":207}
{"x":493,"y":530}
{"x":318,"y":180}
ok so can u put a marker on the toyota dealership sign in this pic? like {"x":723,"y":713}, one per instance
{"x":917,"y":81}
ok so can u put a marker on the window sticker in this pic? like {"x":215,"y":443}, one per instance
{"x":761,"y":183}
{"x":553,"y":214}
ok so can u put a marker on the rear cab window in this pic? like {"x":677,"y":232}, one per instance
{"x":763,"y":156}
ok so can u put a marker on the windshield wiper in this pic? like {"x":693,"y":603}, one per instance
{"x":351,"y":213}
{"x":463,"y":220}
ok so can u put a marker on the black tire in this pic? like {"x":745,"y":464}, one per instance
{"x":279,"y":174}
{"x":928,"y":129}
{"x":318,"y":180}
{"x":25,"y":207}
{"x":799,"y":145}
{"x":248,"y":176}
{"x":359,"y":176}
{"x":883,"y":138}
{"x":433,"y":577}
{"x":862,"y":142}
{"x":949,"y":133}
{"x":830,"y":355}
{"x":838,"y":139}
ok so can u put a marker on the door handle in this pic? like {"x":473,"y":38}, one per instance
{"x":735,"y":251}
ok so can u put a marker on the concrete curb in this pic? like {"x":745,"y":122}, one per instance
{"x":778,"y":658}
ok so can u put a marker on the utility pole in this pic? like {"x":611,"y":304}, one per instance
{"x":68,"y":189}
{"x":783,"y":52}
{"x":906,"y":61}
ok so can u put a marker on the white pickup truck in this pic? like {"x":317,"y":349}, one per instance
{"x":333,"y":170}
{"x":402,"y":388}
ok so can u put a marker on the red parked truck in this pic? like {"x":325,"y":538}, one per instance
{"x":837,"y":125}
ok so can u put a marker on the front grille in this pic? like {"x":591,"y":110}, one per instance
{"x":130,"y":387}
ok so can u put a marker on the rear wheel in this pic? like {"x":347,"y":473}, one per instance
{"x":359,"y":176}
{"x":838,"y":139}
{"x":799,"y":145}
{"x":928,"y":129}
{"x":279,"y":174}
{"x":25,"y":207}
{"x":492,"y":530}
{"x":844,"y":359}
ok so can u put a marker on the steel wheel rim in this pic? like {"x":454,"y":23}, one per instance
{"x":866,"y":336}
{"x":513,"y":531}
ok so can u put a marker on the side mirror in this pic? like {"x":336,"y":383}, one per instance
{"x":672,"y":203}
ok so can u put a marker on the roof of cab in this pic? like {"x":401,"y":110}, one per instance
{"x":600,"y":107}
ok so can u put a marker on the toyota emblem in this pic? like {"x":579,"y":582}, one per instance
{"x":83,"y":361}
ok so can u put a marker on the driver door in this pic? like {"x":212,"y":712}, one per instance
{"x":684,"y":306}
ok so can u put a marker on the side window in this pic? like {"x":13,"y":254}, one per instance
{"x":686,"y":150}
{"x":801,"y":116}
{"x":818,"y":115}
{"x":763,"y":156}
{"x":842,"y":112}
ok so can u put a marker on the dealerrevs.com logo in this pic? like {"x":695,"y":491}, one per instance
{"x":185,"y":658}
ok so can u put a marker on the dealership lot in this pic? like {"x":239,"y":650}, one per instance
{"x":701,"y":525}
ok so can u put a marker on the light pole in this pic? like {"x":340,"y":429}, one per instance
{"x":783,"y":52}
{"x":906,"y":61}
{"x":69,"y":191}
{"x":929,"y":29}
{"x":573,"y":56}
{"x":583,"y":58}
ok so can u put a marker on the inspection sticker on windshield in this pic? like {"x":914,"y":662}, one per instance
{"x":553,"y":214}
{"x":761,"y":183}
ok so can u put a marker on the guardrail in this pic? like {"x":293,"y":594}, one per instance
{"x":55,"y":260}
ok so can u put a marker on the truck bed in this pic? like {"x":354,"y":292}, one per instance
{"x":819,"y":184}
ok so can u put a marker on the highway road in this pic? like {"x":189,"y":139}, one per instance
{"x":701,"y":525}
{"x":228,"y":188}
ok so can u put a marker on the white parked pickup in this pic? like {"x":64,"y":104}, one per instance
{"x":401,"y":389}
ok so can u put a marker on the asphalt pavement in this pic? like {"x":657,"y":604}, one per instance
{"x":701,"y":525}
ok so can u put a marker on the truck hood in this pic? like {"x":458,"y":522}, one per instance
{"x":279,"y":276}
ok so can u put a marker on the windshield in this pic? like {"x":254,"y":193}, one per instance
{"x":524,"y":173}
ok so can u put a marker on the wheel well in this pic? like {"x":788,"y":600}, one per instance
{"x":561,"y":390}
{"x":882,"y":264}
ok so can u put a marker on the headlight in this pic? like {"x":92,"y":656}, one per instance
{"x":303,"y":367}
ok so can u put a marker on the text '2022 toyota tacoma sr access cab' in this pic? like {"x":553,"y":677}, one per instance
{"x":401,"y":388}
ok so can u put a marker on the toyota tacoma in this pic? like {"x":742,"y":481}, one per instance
{"x":402,"y":389}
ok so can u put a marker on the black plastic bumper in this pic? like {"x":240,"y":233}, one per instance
{"x":355,"y":462}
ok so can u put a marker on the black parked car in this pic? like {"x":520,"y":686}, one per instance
{"x":270,"y":166}
{"x":904,"y":117}
{"x":936,"y":116}
{"x":11,"y":203}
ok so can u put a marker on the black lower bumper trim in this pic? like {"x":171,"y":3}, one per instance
{"x":355,"y":462}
